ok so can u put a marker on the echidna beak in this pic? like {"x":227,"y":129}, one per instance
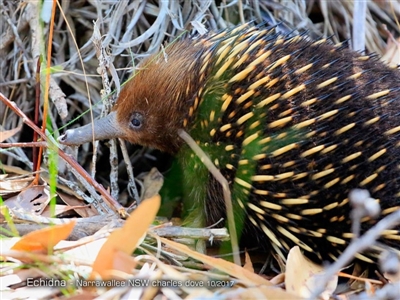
{"x":101,"y":129}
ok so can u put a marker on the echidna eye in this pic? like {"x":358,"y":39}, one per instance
{"x":136,"y":120}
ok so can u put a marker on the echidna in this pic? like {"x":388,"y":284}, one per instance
{"x":293,"y":124}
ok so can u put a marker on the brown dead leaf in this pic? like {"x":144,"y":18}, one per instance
{"x":58,"y":211}
{"x":8,"y":133}
{"x":78,"y":205}
{"x":302,"y":275}
{"x":11,"y":185}
{"x":225,"y":266}
{"x":44,"y":239}
{"x":33,"y":199}
{"x":125,"y":239}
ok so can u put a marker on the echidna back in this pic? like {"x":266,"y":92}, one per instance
{"x":294,"y":125}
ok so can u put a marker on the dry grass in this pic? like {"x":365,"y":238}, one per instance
{"x":131,"y":30}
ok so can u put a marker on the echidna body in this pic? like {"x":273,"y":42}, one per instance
{"x":293,"y":125}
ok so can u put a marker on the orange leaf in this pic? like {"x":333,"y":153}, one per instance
{"x":44,"y":239}
{"x":127,"y":238}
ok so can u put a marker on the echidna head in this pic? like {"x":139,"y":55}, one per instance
{"x":151,"y":107}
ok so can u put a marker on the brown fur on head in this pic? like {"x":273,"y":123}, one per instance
{"x":153,"y":104}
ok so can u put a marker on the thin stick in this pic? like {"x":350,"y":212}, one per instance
{"x":35,"y":159}
{"x":24,"y":145}
{"x":47,"y":82}
{"x":225,"y":188}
